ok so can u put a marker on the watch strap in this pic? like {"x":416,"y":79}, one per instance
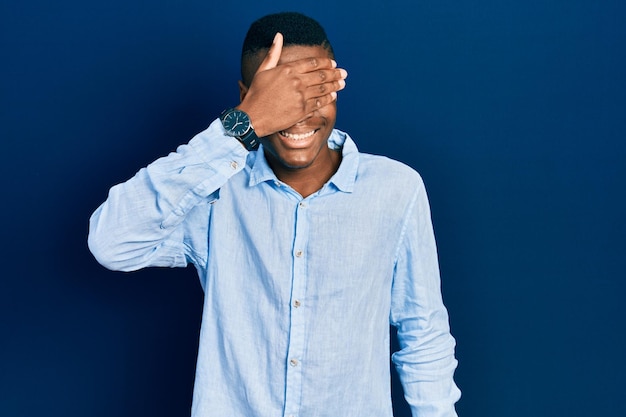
{"x":249,"y":139}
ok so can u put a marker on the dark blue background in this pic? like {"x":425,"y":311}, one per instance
{"x":513,"y":111}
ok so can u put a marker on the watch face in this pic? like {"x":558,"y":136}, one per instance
{"x":236,"y":122}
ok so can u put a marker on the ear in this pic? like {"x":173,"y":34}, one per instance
{"x":243,"y":90}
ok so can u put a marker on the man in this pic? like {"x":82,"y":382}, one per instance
{"x":306,"y":249}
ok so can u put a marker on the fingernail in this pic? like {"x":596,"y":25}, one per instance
{"x":341,"y":83}
{"x":334,"y":63}
{"x":344,"y":73}
{"x":334,"y":95}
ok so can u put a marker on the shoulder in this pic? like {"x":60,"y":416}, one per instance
{"x":388,"y":172}
{"x":384,"y":165}
{"x":375,"y":168}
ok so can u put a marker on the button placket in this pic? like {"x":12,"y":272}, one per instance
{"x":297,"y":316}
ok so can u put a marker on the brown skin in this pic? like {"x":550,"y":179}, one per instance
{"x":292,"y":95}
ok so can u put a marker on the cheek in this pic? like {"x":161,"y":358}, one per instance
{"x":329,"y":112}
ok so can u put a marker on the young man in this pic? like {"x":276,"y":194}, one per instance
{"x":306,"y":249}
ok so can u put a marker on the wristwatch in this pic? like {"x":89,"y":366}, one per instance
{"x":237,"y":124}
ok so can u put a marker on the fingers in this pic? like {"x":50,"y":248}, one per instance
{"x":322,"y":85}
{"x":316,"y":103}
{"x":324,"y":89}
{"x":273,"y":54}
{"x":323,"y":77}
{"x":311,"y":64}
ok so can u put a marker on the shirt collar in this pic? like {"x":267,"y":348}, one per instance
{"x":343,"y":179}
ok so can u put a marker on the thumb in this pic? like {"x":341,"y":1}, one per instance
{"x":273,"y":55}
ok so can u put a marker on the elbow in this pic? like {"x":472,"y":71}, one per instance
{"x":104,"y":252}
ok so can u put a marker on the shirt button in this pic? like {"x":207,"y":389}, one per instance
{"x":302,"y":204}
{"x":299,"y":254}
{"x":234,"y":164}
{"x":276,"y":183}
{"x":297,"y":303}
{"x":293,"y":362}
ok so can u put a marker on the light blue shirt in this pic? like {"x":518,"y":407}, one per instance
{"x":299,"y":293}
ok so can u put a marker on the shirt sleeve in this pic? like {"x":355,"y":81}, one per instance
{"x":425,"y":361}
{"x":141,"y":222}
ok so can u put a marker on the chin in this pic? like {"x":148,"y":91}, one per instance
{"x":292,"y":157}
{"x":292,"y":163}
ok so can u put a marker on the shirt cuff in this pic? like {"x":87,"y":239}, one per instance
{"x":224,"y":153}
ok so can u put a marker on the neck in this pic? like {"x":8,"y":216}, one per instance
{"x":310,"y":179}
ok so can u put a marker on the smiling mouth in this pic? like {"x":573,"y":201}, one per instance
{"x":297,"y":136}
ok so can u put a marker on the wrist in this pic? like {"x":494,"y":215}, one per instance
{"x":237,"y":124}
{"x":255,"y":120}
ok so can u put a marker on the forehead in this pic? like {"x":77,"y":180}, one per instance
{"x":295,"y":52}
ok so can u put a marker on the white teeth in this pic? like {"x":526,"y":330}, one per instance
{"x":296,"y":136}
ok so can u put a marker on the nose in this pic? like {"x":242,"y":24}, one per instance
{"x":315,"y":113}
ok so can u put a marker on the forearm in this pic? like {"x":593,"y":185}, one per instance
{"x":426,"y":368}
{"x":137,"y":225}
{"x":426,"y":360}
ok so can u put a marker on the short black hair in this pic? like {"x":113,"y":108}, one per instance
{"x":296,"y":28}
